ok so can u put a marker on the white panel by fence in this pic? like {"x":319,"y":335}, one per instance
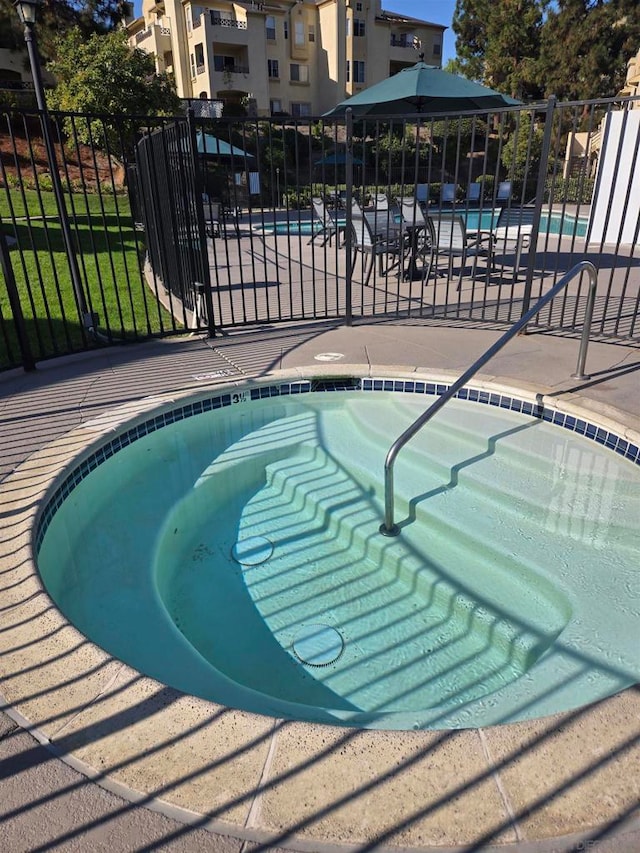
{"x":615,"y":210}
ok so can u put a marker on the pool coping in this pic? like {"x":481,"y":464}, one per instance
{"x":278,"y":774}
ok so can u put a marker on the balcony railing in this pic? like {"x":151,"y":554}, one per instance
{"x":231,"y":23}
{"x":401,"y":41}
{"x":19,"y":85}
{"x":232,"y":69}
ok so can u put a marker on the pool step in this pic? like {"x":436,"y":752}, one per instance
{"x":514,"y":476}
{"x":329,"y":517}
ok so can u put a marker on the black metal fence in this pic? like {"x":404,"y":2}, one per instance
{"x":191,"y":222}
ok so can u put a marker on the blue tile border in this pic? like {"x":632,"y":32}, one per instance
{"x":607,"y":439}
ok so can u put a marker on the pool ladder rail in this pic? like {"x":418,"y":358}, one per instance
{"x":388,"y":526}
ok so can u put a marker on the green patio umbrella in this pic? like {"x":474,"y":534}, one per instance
{"x":209,"y":144}
{"x":423,"y":89}
{"x":337,"y":158}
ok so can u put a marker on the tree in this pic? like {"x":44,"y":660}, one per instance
{"x":522,"y":153}
{"x":105,"y":76}
{"x":574,"y":49}
{"x":585,"y":47}
{"x":56,"y":17}
{"x":513,"y":47}
{"x":498,"y":43}
{"x":470,"y":26}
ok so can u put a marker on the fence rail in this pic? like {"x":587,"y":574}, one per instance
{"x":204,"y":223}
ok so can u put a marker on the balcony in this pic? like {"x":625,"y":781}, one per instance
{"x":402,"y":40}
{"x":232,"y":69}
{"x":229,"y":23}
{"x":161,"y":34}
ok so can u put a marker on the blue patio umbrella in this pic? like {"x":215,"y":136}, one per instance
{"x":423,"y":89}
{"x":209,"y":144}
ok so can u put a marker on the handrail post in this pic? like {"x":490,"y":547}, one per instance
{"x":586,"y":326}
{"x":388,"y":526}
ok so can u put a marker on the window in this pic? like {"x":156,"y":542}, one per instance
{"x":275,"y":105}
{"x":300,"y":110}
{"x":285,"y":27}
{"x":271,"y":27}
{"x":298,"y":73}
{"x":193,"y":65}
{"x":437,"y":49}
{"x":358,"y":27}
{"x":312,"y":32}
{"x":298,"y":34}
{"x":358,"y":71}
{"x":223,"y":63}
{"x":273,"y":69}
{"x":358,"y":7}
{"x":199,"y":51}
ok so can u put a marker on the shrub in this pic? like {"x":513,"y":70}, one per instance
{"x":575,"y":190}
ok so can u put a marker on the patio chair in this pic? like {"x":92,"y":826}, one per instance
{"x":452,"y":239}
{"x":211,"y":216}
{"x":328,"y":226}
{"x":419,"y":238}
{"x":503,"y":196}
{"x":448,"y":194}
{"x":376,"y":245}
{"x":474,"y":191}
{"x":422,"y":194}
{"x":515,"y":224}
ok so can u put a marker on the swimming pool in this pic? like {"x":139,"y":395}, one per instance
{"x":556,"y":223}
{"x":228,"y":546}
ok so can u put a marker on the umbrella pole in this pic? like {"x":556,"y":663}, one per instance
{"x":349,"y":204}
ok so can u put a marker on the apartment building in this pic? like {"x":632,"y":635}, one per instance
{"x":295,"y":57}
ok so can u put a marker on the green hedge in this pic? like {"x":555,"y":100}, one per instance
{"x":574,"y":190}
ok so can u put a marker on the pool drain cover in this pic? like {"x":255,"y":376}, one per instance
{"x":318,"y":645}
{"x":252,"y":551}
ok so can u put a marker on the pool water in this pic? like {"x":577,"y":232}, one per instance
{"x":476,"y":220}
{"x":235,"y":555}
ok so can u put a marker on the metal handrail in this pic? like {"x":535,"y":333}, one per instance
{"x":388,"y":527}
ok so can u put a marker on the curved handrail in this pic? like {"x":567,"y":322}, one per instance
{"x":388,"y":527}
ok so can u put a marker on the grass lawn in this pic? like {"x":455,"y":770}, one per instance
{"x":109,"y":249}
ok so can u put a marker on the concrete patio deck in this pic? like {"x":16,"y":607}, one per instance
{"x":95,"y":757}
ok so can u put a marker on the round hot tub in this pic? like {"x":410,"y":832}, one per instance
{"x":228,"y":545}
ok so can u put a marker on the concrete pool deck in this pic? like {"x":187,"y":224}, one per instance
{"x":129,"y":764}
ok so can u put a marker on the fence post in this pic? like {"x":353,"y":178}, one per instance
{"x":88,"y":318}
{"x":542,"y":179}
{"x":349,"y":204}
{"x":28,"y":362}
{"x":204,"y":249}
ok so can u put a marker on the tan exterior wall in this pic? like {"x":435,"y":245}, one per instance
{"x":220,"y":49}
{"x":632,"y":85}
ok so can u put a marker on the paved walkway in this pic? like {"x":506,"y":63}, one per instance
{"x":519,"y":787}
